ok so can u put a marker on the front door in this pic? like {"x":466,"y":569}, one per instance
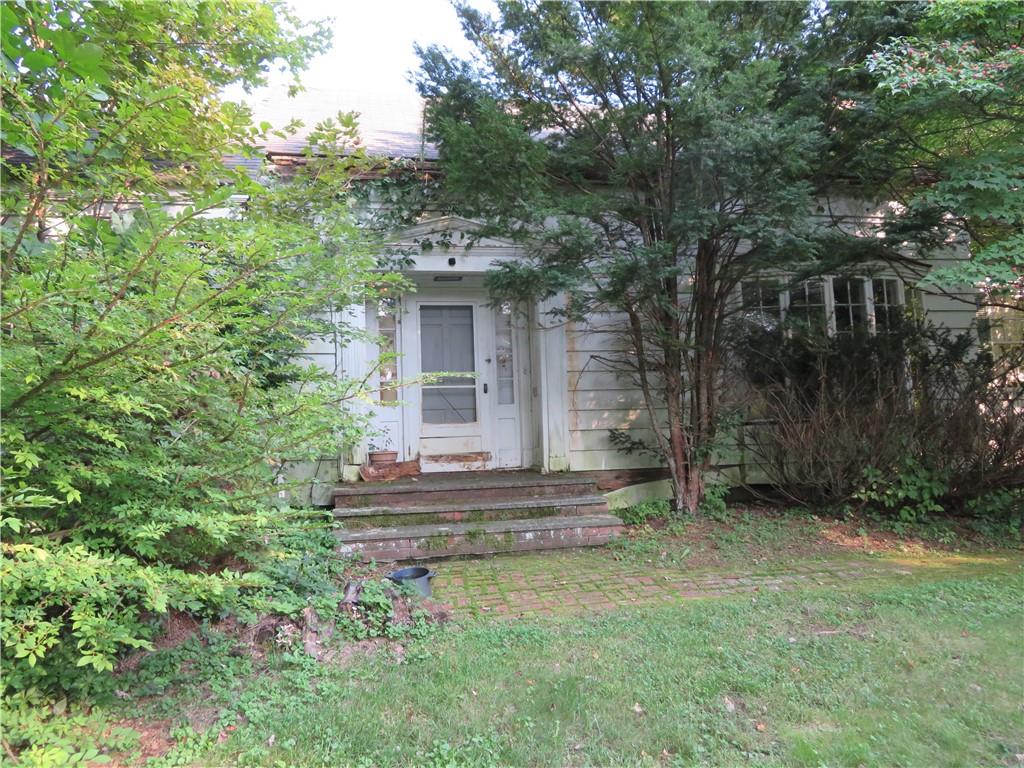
{"x":454,"y":406}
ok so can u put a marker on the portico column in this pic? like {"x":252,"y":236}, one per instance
{"x":553,"y":382}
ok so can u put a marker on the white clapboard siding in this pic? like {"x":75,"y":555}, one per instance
{"x":598,"y":341}
{"x":956,"y":312}
{"x":955,"y":308}
{"x":325,"y":361}
{"x":601,"y":399}
{"x":599,"y":379}
{"x":323,"y":351}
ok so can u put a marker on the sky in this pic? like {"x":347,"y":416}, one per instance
{"x":369,"y":65}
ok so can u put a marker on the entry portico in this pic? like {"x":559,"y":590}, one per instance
{"x":477,"y":382}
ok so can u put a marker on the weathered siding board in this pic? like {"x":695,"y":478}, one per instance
{"x":603,"y":420}
{"x":606,"y":398}
{"x":599,"y":379}
{"x":324,"y":351}
{"x":954,"y":309}
{"x":583,"y":461}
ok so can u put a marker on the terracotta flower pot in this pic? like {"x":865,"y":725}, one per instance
{"x":383,"y":457}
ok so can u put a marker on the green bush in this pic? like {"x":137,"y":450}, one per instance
{"x":638,"y":514}
{"x":908,"y":423}
{"x":912,"y":492}
{"x":51,"y":733}
{"x":151,"y":385}
{"x":713,"y":506}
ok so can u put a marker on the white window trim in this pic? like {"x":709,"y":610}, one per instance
{"x":829,"y":296}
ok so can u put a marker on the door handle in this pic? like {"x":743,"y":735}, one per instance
{"x":485,"y":387}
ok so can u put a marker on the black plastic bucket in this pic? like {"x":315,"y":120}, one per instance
{"x":417,"y":577}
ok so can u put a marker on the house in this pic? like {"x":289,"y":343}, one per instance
{"x":521,"y":391}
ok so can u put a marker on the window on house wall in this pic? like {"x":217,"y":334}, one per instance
{"x":887,"y":303}
{"x":1002,"y":327}
{"x":807,"y":305}
{"x":827,"y":305}
{"x":850,"y":306}
{"x":762,"y":302}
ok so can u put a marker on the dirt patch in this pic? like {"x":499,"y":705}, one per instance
{"x":177,"y":629}
{"x":343,"y":656}
{"x":154,"y":741}
{"x":859,"y":631}
{"x":200,"y":718}
{"x":857,"y":536}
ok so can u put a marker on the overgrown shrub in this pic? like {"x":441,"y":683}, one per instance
{"x":151,"y":323}
{"x":908,"y":422}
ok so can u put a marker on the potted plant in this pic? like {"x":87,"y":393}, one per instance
{"x":382,"y":453}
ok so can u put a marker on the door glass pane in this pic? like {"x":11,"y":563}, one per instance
{"x":503,"y":352}
{"x":446,"y":344}
{"x":386,"y":332}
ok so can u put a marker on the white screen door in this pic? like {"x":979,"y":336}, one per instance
{"x":447,"y":345}
{"x":453,"y":410}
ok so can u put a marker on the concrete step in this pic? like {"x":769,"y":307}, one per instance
{"x":417,"y":542}
{"x":460,"y":488}
{"x":470,"y":512}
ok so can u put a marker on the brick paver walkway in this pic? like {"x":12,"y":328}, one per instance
{"x":581,"y":582}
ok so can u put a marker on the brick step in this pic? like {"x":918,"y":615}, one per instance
{"x":460,"y":488}
{"x":470,"y":512}
{"x":417,"y":542}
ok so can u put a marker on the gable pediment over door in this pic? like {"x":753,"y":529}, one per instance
{"x":431,"y":245}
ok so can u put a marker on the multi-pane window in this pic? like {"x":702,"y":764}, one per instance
{"x":887,"y":301}
{"x":850,"y":304}
{"x":828,"y":305}
{"x":761,"y":303}
{"x":1003,"y":327}
{"x":807,"y":305}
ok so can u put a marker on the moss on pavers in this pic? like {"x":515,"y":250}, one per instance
{"x":583,"y":581}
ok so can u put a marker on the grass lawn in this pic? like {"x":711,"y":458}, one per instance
{"x":924,"y":671}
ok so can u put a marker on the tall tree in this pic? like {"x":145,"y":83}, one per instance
{"x":651,"y":156}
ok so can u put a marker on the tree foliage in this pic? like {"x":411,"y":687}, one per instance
{"x":651,"y":156}
{"x":154,"y":301}
{"x":953,"y":91}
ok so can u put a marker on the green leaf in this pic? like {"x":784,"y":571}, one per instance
{"x":38,"y":60}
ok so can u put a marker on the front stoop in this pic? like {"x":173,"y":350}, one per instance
{"x":417,"y":542}
{"x":471,"y":513}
